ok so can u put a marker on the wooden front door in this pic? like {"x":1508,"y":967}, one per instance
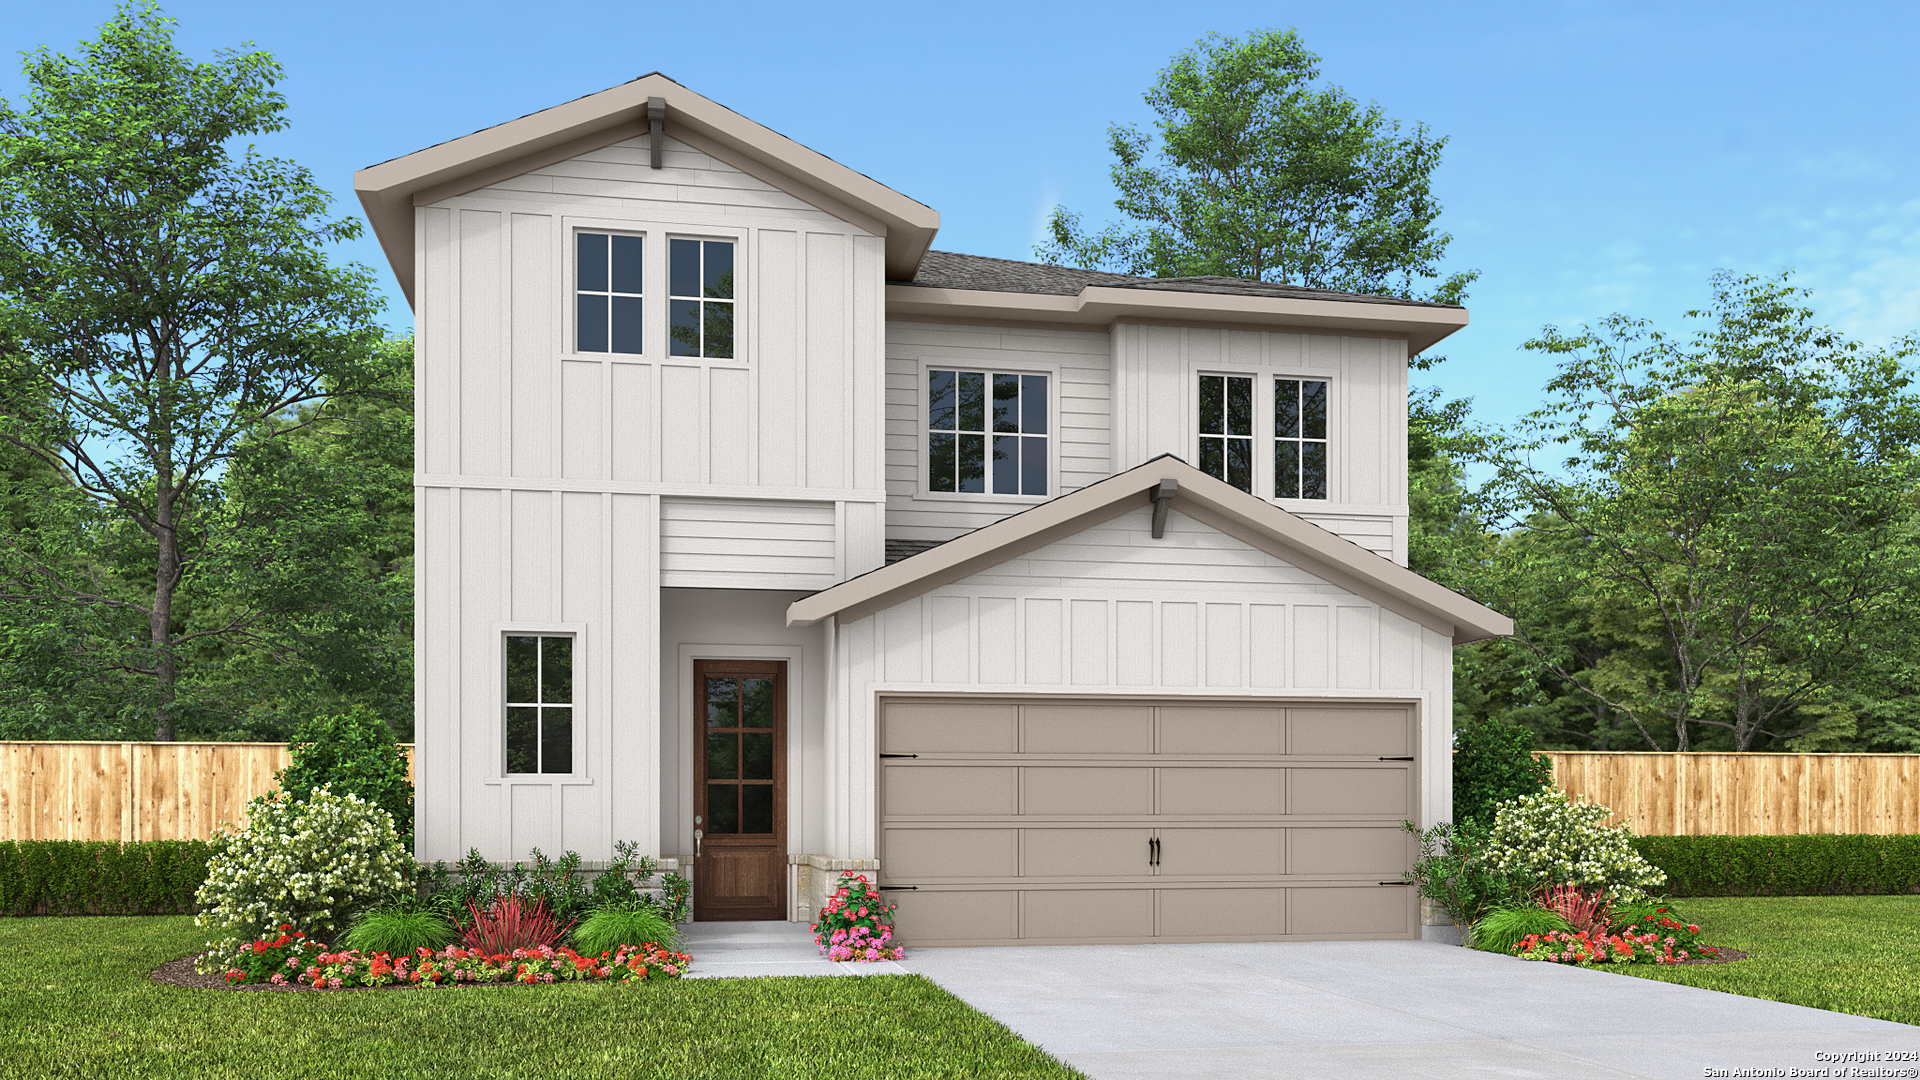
{"x":739,"y":800}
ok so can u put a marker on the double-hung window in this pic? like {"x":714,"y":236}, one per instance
{"x":1226,"y":429}
{"x":607,"y":301}
{"x":539,"y":703}
{"x":700,"y":288}
{"x":1299,"y":439}
{"x":986,"y":432}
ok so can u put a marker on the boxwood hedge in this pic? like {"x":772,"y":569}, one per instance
{"x":85,"y":877}
{"x":1800,"y":865}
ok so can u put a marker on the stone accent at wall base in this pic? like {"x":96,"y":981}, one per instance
{"x":811,"y":879}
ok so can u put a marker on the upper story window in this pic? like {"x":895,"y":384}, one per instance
{"x":1299,"y":439}
{"x":986,"y":432}
{"x":1226,"y":429}
{"x":539,"y":704}
{"x":700,"y":287}
{"x":607,"y":292}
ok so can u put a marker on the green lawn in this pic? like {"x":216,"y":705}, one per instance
{"x":1851,"y":954}
{"x":76,"y":1001}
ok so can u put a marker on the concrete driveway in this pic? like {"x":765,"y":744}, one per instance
{"x":1347,"y":1010}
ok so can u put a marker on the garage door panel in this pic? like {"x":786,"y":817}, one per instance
{"x":1087,"y":914}
{"x":950,"y":791}
{"x":1224,"y":792}
{"x":1088,"y":729}
{"x":1357,"y":851}
{"x":956,"y":917}
{"x":1350,"y":792}
{"x":951,"y":853}
{"x":1220,"y":852}
{"x":949,"y":727}
{"x":1087,"y":792}
{"x":1086,"y":852}
{"x":1377,"y":911}
{"x":1223,"y":913}
{"x":1222,"y":730}
{"x":1350,"y":732}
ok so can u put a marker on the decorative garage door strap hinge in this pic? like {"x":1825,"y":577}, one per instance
{"x":899,"y":888}
{"x":917,"y":755}
{"x":1382,"y":759}
{"x":1396,"y":883}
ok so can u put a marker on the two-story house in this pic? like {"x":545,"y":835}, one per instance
{"x":755,"y":531}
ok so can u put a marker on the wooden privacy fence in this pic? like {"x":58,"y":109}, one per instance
{"x":1748,"y":794}
{"x":133,"y":790}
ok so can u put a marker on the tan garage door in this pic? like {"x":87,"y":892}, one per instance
{"x":1020,"y":822}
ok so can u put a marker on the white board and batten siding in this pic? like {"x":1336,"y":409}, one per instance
{"x":1112,"y":611}
{"x":560,"y":490}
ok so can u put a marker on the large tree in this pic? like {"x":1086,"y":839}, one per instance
{"x":1262,"y":175}
{"x":168,"y":301}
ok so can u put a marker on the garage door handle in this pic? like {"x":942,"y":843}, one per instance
{"x":1382,"y":759}
{"x":1153,"y":851}
{"x":917,"y":755}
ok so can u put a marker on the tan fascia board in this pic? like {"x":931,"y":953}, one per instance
{"x":388,"y":190}
{"x":1201,"y":497}
{"x":1422,"y":326}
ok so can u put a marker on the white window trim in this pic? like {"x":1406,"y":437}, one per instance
{"x":1333,"y":441}
{"x":654,"y":285}
{"x":923,"y":443}
{"x":497,"y":695}
{"x":1263,"y":437}
{"x":741,"y":279}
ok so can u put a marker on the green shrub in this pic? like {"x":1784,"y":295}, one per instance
{"x":634,"y":923}
{"x":1453,"y":871}
{"x":86,"y":877}
{"x":1549,"y":839}
{"x":398,"y":929}
{"x":1801,"y":865}
{"x":304,"y":864}
{"x":352,"y":753}
{"x":1503,"y":928}
{"x":1493,"y":763}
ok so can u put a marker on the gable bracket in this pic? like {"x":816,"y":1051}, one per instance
{"x":656,"y":128}
{"x":1162,"y":499}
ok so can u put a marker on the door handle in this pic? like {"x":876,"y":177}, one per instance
{"x":1153,"y":851}
{"x":697,"y":834}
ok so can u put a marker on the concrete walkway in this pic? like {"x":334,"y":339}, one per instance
{"x":1342,"y":1010}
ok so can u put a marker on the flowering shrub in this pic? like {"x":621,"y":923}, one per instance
{"x":302,"y":864}
{"x":856,"y":925}
{"x":290,"y":959}
{"x":1561,"y":947}
{"x":1548,"y":839}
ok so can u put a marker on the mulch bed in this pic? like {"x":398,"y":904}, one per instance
{"x":1721,"y":956}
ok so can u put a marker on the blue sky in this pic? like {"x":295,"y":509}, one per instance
{"x":1603,"y":157}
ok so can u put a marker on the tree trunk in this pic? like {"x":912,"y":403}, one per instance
{"x":160,"y":625}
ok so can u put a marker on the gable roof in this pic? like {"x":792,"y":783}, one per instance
{"x":952,"y":270}
{"x":1212,"y":502}
{"x":390,"y":190}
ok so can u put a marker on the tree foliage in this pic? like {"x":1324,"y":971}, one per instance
{"x":351,"y":753}
{"x":1262,"y":175}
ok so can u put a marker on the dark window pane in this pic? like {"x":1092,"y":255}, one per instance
{"x":719,"y":270}
{"x":590,"y":274}
{"x":723,"y":709}
{"x":556,"y":670}
{"x":1286,"y":470}
{"x":1006,"y":464}
{"x":1210,"y":404}
{"x":1313,"y":411}
{"x":973,"y":401}
{"x":556,"y":740}
{"x":626,"y":264}
{"x":523,"y":668}
{"x":723,"y":808}
{"x":1212,"y":461}
{"x":940,"y":413}
{"x":523,"y":732}
{"x":756,"y":703}
{"x":1286,"y":408}
{"x":590,"y":323}
{"x":1240,"y":463}
{"x":1239,"y":406}
{"x":1033,"y":466}
{"x":723,"y":755}
{"x":1313,"y":470}
{"x":719,"y":330}
{"x":971,"y":451}
{"x":757,"y":758}
{"x":684,"y":333}
{"x":684,"y":272}
{"x":1033,"y":404}
{"x":1006,"y":403}
{"x":626,"y":324}
{"x":940,"y":464}
{"x":756,"y":808}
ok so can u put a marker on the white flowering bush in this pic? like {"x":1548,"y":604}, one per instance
{"x":303,"y":864}
{"x":1549,"y":839}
